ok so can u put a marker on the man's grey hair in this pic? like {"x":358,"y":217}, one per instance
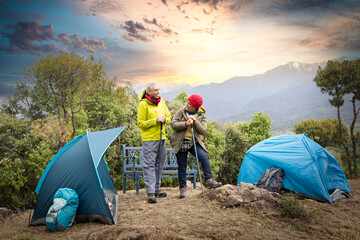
{"x":149,"y":86}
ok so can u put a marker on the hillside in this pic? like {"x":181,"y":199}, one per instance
{"x":190,"y":218}
{"x":287,"y":93}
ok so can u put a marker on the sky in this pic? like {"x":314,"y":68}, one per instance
{"x":174,"y":42}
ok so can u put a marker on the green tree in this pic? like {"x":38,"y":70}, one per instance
{"x":109,"y":108}
{"x":22,"y":105}
{"x":60,"y":85}
{"x":352,"y":73}
{"x":23,"y":157}
{"x":237,"y":142}
{"x":338,"y":79}
{"x":259,"y":127}
{"x":324,"y":131}
{"x":215,"y":144}
{"x":182,"y":97}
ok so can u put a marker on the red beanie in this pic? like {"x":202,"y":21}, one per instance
{"x":195,"y":100}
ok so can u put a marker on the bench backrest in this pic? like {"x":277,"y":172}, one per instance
{"x":132,"y":157}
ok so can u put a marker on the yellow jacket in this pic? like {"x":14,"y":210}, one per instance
{"x":147,"y":112}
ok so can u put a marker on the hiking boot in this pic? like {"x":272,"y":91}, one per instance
{"x":182,"y":192}
{"x":159,"y":194}
{"x":211,"y":183}
{"x":151,"y":198}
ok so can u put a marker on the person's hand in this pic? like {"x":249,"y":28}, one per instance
{"x":193,"y":118}
{"x":161,"y":118}
{"x":189,"y":121}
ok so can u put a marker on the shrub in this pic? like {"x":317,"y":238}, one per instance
{"x":293,"y":208}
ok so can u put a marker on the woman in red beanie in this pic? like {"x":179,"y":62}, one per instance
{"x":182,"y":141}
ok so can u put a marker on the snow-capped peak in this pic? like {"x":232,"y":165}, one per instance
{"x":302,"y":67}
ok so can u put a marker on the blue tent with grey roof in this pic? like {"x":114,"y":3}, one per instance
{"x":309,"y":169}
{"x":80,"y":165}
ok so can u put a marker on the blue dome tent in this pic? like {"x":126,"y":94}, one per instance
{"x":309,"y":169}
{"x":80,"y":165}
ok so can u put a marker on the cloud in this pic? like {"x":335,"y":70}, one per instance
{"x":24,"y":38}
{"x":307,"y":9}
{"x":212,"y":3}
{"x":142,"y":21}
{"x":135,"y":31}
{"x":297,"y":6}
{"x":105,"y":6}
{"x":164,"y":29}
{"x":205,"y":30}
{"x":27,"y":32}
{"x":3,"y":4}
{"x":133,"y":27}
{"x":89,"y":44}
{"x":34,"y":38}
{"x":138,"y":31}
{"x":154,"y":21}
{"x":337,"y":43}
{"x":109,"y":59}
{"x":339,"y":34}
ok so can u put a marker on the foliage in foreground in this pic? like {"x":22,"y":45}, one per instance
{"x":291,"y":207}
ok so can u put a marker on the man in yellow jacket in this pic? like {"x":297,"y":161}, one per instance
{"x":153,"y":114}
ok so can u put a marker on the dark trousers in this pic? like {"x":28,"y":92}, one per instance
{"x":182,"y":162}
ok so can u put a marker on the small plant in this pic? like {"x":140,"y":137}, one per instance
{"x":292,"y":208}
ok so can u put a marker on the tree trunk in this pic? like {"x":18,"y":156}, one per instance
{"x":348,"y":160}
{"x":62,"y":141}
{"x":353,"y":138}
{"x":73,"y":116}
{"x":65,"y":111}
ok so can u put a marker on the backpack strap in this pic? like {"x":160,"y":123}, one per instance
{"x":54,"y":218}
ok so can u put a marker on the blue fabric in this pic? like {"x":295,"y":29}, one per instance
{"x":100,"y":141}
{"x":309,"y":168}
{"x":193,"y":112}
{"x":74,"y":167}
{"x":58,"y":154}
{"x":104,"y":175}
{"x":181,"y":158}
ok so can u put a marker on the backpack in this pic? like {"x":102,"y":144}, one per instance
{"x":272,"y":179}
{"x":62,"y":213}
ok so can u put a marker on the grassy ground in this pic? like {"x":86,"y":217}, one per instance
{"x":190,"y":218}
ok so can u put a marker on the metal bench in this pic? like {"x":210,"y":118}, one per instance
{"x":133,"y":169}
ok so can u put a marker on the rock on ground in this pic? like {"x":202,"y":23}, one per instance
{"x":245,"y":194}
{"x":4,"y":212}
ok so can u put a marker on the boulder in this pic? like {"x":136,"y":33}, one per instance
{"x":244,"y":194}
{"x":4,"y":212}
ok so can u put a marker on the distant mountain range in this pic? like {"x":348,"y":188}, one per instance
{"x":287,"y":93}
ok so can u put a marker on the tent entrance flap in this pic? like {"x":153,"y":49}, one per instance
{"x":111,"y":199}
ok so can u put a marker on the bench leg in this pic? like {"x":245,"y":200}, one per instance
{"x":194,"y":182}
{"x":124,"y":185}
{"x":137,"y":186}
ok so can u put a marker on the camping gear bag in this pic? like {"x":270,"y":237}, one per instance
{"x":62,"y":213}
{"x":272,"y":179}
